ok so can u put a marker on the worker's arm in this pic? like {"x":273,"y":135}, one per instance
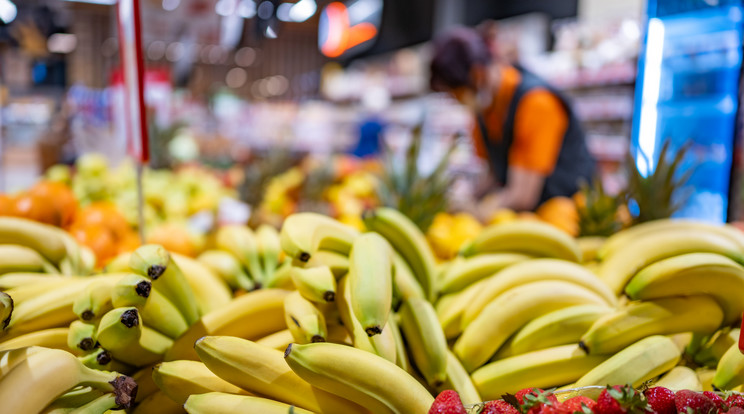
{"x":522,"y":192}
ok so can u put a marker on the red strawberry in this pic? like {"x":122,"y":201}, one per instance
{"x":692,"y":402}
{"x":717,"y":401}
{"x":735,"y":400}
{"x":578,"y":404}
{"x":499,"y":407}
{"x":735,"y":410}
{"x":620,"y":400}
{"x":532,"y":400}
{"x":447,"y":402}
{"x":661,"y":400}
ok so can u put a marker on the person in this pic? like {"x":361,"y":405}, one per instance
{"x":525,"y":129}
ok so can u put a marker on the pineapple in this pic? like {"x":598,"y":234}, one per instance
{"x":658,"y":195}
{"x":418,"y":197}
{"x":597,"y":210}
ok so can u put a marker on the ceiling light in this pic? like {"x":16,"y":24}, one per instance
{"x":8,"y":11}
{"x":303,"y":10}
{"x":61,"y":42}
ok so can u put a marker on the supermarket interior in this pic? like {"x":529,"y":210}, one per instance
{"x":371,"y":206}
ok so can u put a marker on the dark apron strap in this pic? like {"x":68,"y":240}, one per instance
{"x":494,"y":151}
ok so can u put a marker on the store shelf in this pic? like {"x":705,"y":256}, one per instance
{"x":621,"y":74}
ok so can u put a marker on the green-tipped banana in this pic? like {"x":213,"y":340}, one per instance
{"x":262,"y":370}
{"x":730,"y":371}
{"x":269,"y":248}
{"x":222,"y":403}
{"x":473,"y":269}
{"x":359,"y":337}
{"x":296,"y":235}
{"x":405,"y":284}
{"x":425,"y":339}
{"x":618,"y":269}
{"x":102,"y":360}
{"x":69,"y":401}
{"x":693,"y":274}
{"x":242,"y":243}
{"x":615,"y":331}
{"x":94,"y":301}
{"x":179,"y":379}
{"x":636,"y":364}
{"x":543,"y":369}
{"x":282,"y":278}
{"x":371,"y":281}
{"x":121,"y":332}
{"x":409,"y":241}
{"x":81,"y":336}
{"x":459,"y":380}
{"x":304,"y":320}
{"x":513,"y":309}
{"x":6,"y":310}
{"x":338,"y":263}
{"x":680,"y":378}
{"x":156,"y":310}
{"x":49,"y":373}
{"x":534,"y":271}
{"x":316,"y":284}
{"x":356,"y":375}
{"x":528,"y":237}
{"x":155,"y":262}
{"x":711,"y":352}
{"x":562,"y":327}
{"x":227,"y":267}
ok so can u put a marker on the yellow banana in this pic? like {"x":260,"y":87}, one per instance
{"x":179,"y":379}
{"x":316,"y":284}
{"x":81,"y":336}
{"x":269,"y":248}
{"x":425,"y":339}
{"x":156,"y":310}
{"x":680,"y":378}
{"x":525,"y":236}
{"x":94,"y":300}
{"x":332,"y":238}
{"x":226,"y":266}
{"x":278,"y":340}
{"x":693,"y":274}
{"x":338,"y":263}
{"x":158,"y":402}
{"x":730,"y":370}
{"x":241,"y":242}
{"x":6,"y":311}
{"x":17,"y":280}
{"x":513,"y":309}
{"x":210,"y":291}
{"x":296,"y":235}
{"x":262,"y":370}
{"x":615,"y":331}
{"x":87,"y":260}
{"x":450,"y":308}
{"x":120,"y":263}
{"x":17,"y":258}
{"x":282,"y":278}
{"x":590,"y":247}
{"x":40,"y":237}
{"x":222,"y":403}
{"x":359,"y":337}
{"x":401,"y":353}
{"x":77,"y":397}
{"x":459,"y":380}
{"x":473,"y":269}
{"x":303,"y":319}
{"x":371,"y":282}
{"x":121,"y":332}
{"x":712,"y":351}
{"x":49,"y":338}
{"x":102,"y":360}
{"x":705,"y":375}
{"x":405,"y":284}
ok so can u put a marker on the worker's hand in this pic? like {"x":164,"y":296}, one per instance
{"x":488,"y":206}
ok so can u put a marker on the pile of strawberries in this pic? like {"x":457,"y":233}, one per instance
{"x":613,"y":400}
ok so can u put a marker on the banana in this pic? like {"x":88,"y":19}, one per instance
{"x":401,"y":354}
{"x":100,"y":405}
{"x":155,"y":262}
{"x":17,"y":258}
{"x":405,"y":284}
{"x":13,"y":357}
{"x":562,"y":327}
{"x":705,"y":375}
{"x":121,"y":332}
{"x":296,"y":235}
{"x":409,"y":241}
{"x":332,"y":238}
{"x":262,"y":370}
{"x":590,"y":247}
{"x":525,"y":236}
{"x":359,"y":337}
{"x":77,"y":397}
{"x":303,"y":319}
{"x":691,"y":274}
{"x":513,"y":309}
{"x":81,"y":336}
{"x":629,"y":235}
{"x":264,"y":309}
{"x":49,"y":373}
{"x":40,"y":237}
{"x":615,"y":331}
{"x":179,"y":379}
{"x":543,"y":369}
{"x":102,"y":360}
{"x":94,"y":300}
{"x":157,"y":402}
{"x":156,"y":310}
{"x":636,"y":364}
{"x":371,"y":282}
{"x":680,"y":378}
{"x":459,"y":380}
{"x":282,"y":278}
{"x":355,"y":374}
{"x":338,"y":263}
{"x":71,"y":264}
{"x":316,"y":284}
{"x":241,"y":242}
{"x":730,"y":370}
{"x":25,"y":293}
{"x":222,"y":403}
{"x":226,"y":266}
{"x":712,"y":351}
{"x":87,"y":260}
{"x":210,"y":291}
{"x":269,"y":248}
{"x":533,"y":271}
{"x":450,"y":308}
{"x":49,"y":338}
{"x":119,"y":263}
{"x":278,"y":340}
{"x":6,"y":311}
{"x":145,"y":384}
{"x":425,"y":339}
{"x":473,"y":269}
{"x":617,"y":269}
{"x":22,"y":279}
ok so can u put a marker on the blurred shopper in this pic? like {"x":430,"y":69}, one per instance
{"x":525,"y":129}
{"x":372,"y":126}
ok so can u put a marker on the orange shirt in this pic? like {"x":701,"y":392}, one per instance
{"x":540,"y":123}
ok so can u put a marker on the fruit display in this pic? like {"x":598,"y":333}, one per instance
{"x":324,"y":317}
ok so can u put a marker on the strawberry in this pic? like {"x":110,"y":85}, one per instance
{"x":533,"y":400}
{"x":735,"y":400}
{"x":447,"y":402}
{"x":499,"y":407}
{"x":661,"y":400}
{"x":692,"y":402}
{"x":717,"y":401}
{"x":735,"y":410}
{"x":621,"y":400}
{"x":578,"y":404}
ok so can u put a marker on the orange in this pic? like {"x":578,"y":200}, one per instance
{"x":173,"y":238}
{"x":60,"y":196}
{"x":7,"y":205}
{"x":106,"y":214}
{"x":98,"y":238}
{"x":38,"y":208}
